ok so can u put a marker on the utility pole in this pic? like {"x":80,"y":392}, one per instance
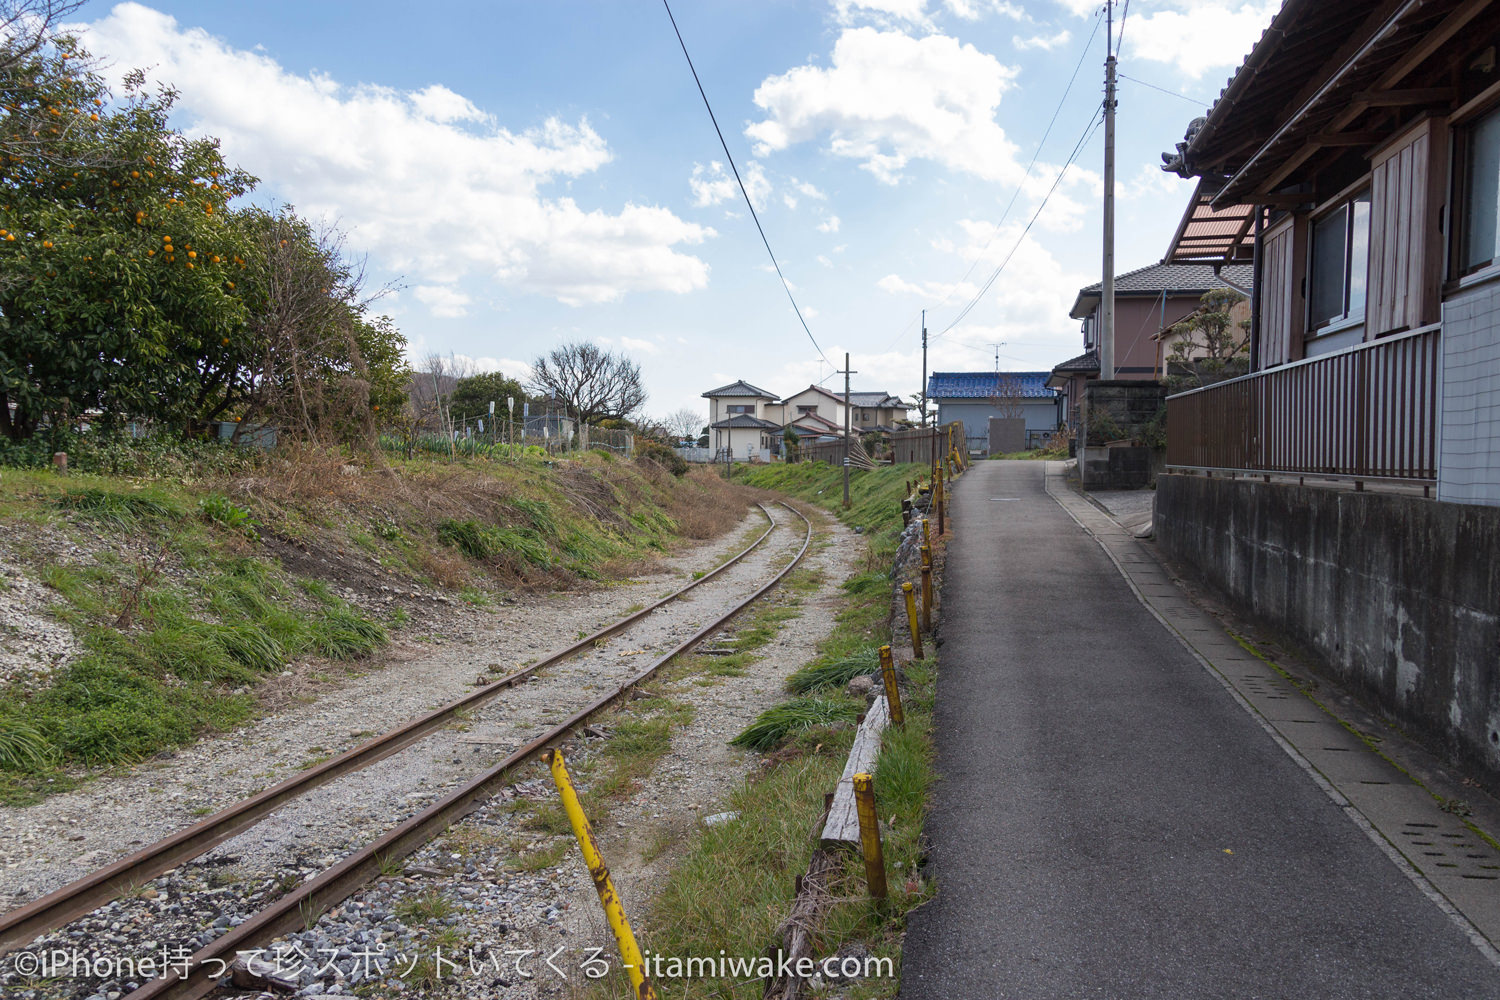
{"x":924,"y":367}
{"x":846,"y":373}
{"x":1107,"y":300}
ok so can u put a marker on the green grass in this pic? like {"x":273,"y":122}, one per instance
{"x":776,"y":724}
{"x":875,"y":496}
{"x":826,"y":673}
{"x":736,"y":881}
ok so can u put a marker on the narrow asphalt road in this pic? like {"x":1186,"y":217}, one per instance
{"x":1110,"y":823}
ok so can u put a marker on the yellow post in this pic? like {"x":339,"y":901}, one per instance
{"x":926,"y":534}
{"x":911,"y":620}
{"x":869,"y":834}
{"x":892,"y":693}
{"x":927,"y":599}
{"x":937,"y":498}
{"x":614,"y":912}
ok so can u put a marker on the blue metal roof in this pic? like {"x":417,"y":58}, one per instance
{"x":984,"y":385}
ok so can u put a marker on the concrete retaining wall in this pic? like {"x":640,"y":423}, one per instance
{"x":1399,"y":595}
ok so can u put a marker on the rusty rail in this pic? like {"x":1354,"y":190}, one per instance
{"x":303,"y":904}
{"x":92,"y":891}
{"x":1369,"y":412}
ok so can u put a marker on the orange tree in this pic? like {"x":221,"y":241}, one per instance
{"x":118,"y":259}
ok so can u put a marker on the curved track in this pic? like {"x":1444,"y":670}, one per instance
{"x":197,"y":977}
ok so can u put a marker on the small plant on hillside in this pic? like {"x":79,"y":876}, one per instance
{"x":22,"y":748}
{"x":220,"y":510}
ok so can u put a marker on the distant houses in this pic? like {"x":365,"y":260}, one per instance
{"x":750,"y":424}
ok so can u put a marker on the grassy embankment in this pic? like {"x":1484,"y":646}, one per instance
{"x":735,"y":883}
{"x":187,"y":576}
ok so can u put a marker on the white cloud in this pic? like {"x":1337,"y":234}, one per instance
{"x":422,"y":180}
{"x":809,"y":189}
{"x":1028,"y":302}
{"x":1044,"y":42}
{"x":928,"y":291}
{"x":440,"y":104}
{"x":644,"y":346}
{"x":756,"y":185}
{"x":443,"y":301}
{"x":710,"y":184}
{"x":1195,"y":37}
{"x":829,"y":225}
{"x":884,"y":12}
{"x":973,"y":10}
{"x":824,"y":260}
{"x":887,"y":99}
{"x":1152,"y":183}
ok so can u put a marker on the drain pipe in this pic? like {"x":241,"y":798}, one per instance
{"x":1255,"y":271}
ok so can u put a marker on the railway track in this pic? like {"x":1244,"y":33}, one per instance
{"x":198,"y":975}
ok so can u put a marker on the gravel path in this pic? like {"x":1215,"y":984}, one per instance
{"x":47,"y":845}
{"x":51,"y":843}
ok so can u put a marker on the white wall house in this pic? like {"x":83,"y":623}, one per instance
{"x":737,"y":423}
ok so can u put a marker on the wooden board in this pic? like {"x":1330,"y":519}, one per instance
{"x":843,"y":821}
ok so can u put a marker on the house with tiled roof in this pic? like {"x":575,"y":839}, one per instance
{"x":749,"y":422}
{"x":975,"y":397}
{"x":738,"y":424}
{"x":1149,"y":301}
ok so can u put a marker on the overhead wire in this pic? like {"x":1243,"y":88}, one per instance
{"x":1164,"y":90}
{"x":753,"y":215}
{"x":1094,"y":122}
{"x":1024,"y":177}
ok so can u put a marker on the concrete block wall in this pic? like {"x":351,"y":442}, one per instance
{"x":1400,"y":596}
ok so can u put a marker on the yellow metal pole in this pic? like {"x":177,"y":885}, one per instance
{"x":927,"y":599}
{"x":892,"y":693}
{"x":911,"y":620}
{"x":869,"y":834}
{"x":614,"y":911}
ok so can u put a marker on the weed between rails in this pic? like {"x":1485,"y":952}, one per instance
{"x":736,"y":881}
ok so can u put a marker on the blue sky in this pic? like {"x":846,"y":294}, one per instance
{"x":533,"y":173}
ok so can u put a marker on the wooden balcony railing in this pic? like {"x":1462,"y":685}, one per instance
{"x":1368,"y":412}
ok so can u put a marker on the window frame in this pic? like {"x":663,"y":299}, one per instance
{"x":1349,"y":317}
{"x":1462,"y":127}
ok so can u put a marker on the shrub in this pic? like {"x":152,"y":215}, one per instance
{"x":220,"y":510}
{"x":659,"y":454}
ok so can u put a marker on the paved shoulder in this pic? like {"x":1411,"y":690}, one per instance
{"x":1110,"y":823}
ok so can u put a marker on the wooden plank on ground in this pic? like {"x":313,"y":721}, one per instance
{"x":843,"y":821}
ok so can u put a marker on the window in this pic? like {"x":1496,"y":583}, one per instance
{"x":1340,"y":263}
{"x":807,"y":410}
{"x":1480,"y":240}
{"x":734,"y":409}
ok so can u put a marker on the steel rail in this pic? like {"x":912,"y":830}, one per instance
{"x":87,"y":894}
{"x":199,"y":975}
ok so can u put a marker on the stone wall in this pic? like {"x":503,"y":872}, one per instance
{"x":1400,"y":596}
{"x":1120,"y":409}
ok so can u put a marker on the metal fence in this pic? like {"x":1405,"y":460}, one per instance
{"x":1368,"y":412}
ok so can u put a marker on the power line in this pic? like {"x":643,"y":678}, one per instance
{"x":1120,"y":40}
{"x":1016,"y":193}
{"x":1164,"y":90}
{"x":1083,"y":139}
{"x":727,"y":155}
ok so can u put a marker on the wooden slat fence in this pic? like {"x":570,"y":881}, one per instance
{"x":1367,"y":412}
